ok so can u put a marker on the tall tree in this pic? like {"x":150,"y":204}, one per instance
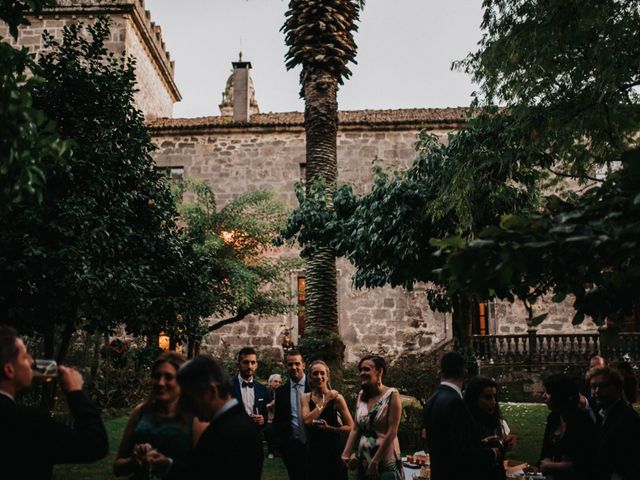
{"x":319,"y":34}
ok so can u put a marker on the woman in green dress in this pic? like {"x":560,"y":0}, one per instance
{"x":159,"y":437}
{"x":375,"y":431}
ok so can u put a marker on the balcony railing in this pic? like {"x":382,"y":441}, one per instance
{"x":532,"y":348}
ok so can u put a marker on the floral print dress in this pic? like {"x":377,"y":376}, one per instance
{"x":373,"y":426}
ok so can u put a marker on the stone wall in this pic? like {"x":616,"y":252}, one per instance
{"x":132,"y":32}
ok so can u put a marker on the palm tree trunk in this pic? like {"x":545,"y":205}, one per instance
{"x":321,"y":126}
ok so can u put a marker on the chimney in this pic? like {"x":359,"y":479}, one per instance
{"x":241,"y":94}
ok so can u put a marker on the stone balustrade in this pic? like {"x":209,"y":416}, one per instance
{"x":553,"y":349}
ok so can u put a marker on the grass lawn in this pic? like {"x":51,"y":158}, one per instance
{"x":526,"y":421}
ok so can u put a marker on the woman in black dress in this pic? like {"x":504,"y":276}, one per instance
{"x":481,"y":396}
{"x":328,"y":421}
{"x":568,"y":446}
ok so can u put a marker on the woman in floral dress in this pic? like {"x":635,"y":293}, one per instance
{"x":375,"y":431}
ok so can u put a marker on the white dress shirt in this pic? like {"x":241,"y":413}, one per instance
{"x":248,"y":395}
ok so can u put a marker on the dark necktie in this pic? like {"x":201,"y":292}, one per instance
{"x":247,"y":384}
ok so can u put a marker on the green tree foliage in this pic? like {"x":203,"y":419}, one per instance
{"x":230,"y":267}
{"x":28,"y":139}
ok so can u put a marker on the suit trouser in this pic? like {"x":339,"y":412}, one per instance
{"x":294,"y":454}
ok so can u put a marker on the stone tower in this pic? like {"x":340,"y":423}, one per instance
{"x":239,"y":96}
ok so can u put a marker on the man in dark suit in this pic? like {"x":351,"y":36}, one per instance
{"x":454,"y":442}
{"x":231,"y":446}
{"x":287,"y":420}
{"x":252,"y":395}
{"x":31,"y":442}
{"x":618,"y":448}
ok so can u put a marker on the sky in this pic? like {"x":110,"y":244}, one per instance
{"x":405,"y":50}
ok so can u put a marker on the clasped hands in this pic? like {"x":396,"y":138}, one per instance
{"x":147,"y":457}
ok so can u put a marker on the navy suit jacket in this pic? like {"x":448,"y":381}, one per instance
{"x":261,"y":396}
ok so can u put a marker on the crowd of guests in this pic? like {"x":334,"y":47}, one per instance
{"x":198,"y":422}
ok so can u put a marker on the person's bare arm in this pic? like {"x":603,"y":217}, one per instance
{"x":126,"y":462}
{"x":343,"y":410}
{"x":354,"y":436}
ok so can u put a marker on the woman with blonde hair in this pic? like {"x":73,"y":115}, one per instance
{"x":328,"y":421}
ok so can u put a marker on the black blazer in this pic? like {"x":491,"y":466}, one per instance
{"x":260,"y":393}
{"x":453,"y":439}
{"x":230,"y":448}
{"x":577,"y":444}
{"x":618,"y":449}
{"x":282,"y":412}
{"x":31,"y":442}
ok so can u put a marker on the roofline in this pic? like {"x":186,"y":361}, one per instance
{"x":226,"y":124}
{"x":135,"y":8}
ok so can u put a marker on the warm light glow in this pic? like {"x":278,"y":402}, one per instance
{"x":164,"y":341}
{"x":228,"y":237}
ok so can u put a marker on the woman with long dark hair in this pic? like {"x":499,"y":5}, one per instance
{"x":327,"y":418}
{"x":568,"y":445}
{"x":159,"y":436}
{"x":481,"y":397}
{"x":375,"y":431}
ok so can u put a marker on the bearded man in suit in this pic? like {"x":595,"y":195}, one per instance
{"x":250,"y":393}
{"x":231,"y":446}
{"x":287,"y":420}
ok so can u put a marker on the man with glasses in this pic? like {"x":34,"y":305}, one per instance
{"x":31,"y":442}
{"x":618,"y":449}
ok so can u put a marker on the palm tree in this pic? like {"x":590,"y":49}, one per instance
{"x":319,"y":34}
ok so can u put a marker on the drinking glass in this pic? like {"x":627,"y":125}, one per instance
{"x":45,"y":369}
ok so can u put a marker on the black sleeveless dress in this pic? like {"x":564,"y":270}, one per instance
{"x":325,"y":447}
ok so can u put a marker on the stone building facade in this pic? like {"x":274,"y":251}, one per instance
{"x":243,"y":150}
